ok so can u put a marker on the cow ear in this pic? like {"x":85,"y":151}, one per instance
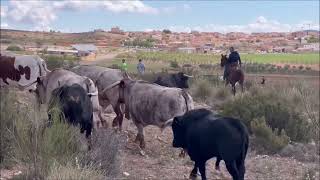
{"x":122,"y":84}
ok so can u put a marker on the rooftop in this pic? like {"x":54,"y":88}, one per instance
{"x":85,"y":47}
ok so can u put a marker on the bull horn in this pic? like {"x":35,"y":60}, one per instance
{"x":93,"y":93}
{"x":186,"y":75}
{"x":168,"y":123}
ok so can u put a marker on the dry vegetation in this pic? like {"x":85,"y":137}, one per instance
{"x":283,"y":118}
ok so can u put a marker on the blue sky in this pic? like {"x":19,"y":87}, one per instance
{"x":135,"y":15}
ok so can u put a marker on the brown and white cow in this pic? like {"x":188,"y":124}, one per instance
{"x":60,"y":77}
{"x":21,"y":70}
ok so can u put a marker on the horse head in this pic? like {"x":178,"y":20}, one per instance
{"x":223,"y":60}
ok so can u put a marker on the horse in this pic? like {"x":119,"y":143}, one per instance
{"x":234,"y":74}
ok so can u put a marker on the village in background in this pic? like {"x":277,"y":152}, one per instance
{"x":89,"y":45}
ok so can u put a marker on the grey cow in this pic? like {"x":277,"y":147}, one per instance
{"x":107,"y":81}
{"x":152,"y":104}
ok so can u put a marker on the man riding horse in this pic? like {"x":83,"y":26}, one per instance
{"x":231,"y":73}
{"x":232,"y":62}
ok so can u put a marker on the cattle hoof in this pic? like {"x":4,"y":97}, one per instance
{"x":142,"y":145}
{"x":193,"y":176}
{"x":142,"y":153}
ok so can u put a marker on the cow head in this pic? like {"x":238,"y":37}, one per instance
{"x":181,"y":80}
{"x":41,"y":90}
{"x":178,"y":132}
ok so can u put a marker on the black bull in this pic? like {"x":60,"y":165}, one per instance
{"x":75,"y":105}
{"x":178,"y":80}
{"x":205,"y":135}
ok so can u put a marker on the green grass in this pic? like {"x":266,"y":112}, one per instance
{"x":132,"y":65}
{"x":311,"y":58}
{"x":183,"y":58}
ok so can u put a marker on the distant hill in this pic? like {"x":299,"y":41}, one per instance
{"x":58,"y":38}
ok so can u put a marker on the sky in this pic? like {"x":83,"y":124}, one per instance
{"x":180,"y":16}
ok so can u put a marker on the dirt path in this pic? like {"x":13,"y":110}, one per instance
{"x":161,"y":161}
{"x":101,"y":58}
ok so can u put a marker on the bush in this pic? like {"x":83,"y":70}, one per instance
{"x":60,"y":61}
{"x":14,"y":48}
{"x":201,"y":89}
{"x":271,"y":140}
{"x":115,"y":66}
{"x":174,"y":64}
{"x":70,"y":171}
{"x":7,"y":104}
{"x":104,"y":153}
{"x":278,"y":112}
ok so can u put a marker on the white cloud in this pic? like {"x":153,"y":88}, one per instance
{"x":4,"y":25}
{"x":41,"y":14}
{"x":3,"y":11}
{"x":261,"y":24}
{"x":169,"y":10}
{"x":186,"y":7}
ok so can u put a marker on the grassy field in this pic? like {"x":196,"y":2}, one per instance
{"x":306,"y":59}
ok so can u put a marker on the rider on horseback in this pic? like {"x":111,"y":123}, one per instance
{"x":232,"y":62}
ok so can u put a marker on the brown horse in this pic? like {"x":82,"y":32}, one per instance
{"x":234,"y":74}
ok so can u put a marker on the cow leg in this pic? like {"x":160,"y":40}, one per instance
{"x":241,"y":168}
{"x":194,"y":172}
{"x":217,"y":167}
{"x":103,"y":121}
{"x":202,"y":168}
{"x":140,"y":136}
{"x":117,"y":121}
{"x":232,"y":169}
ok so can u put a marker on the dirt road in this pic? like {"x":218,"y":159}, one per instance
{"x":101,"y":58}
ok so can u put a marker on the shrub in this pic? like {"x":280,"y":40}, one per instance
{"x":30,"y":142}
{"x":104,"y":153}
{"x":174,"y":64}
{"x":201,"y":89}
{"x":7,"y":104}
{"x":301,"y":67}
{"x":278,"y":112}
{"x":60,"y":61}
{"x":14,"y":48}
{"x":115,"y":66}
{"x":271,"y":140}
{"x":70,"y":171}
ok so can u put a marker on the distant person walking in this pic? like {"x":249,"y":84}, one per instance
{"x":140,"y":67}
{"x":232,"y":62}
{"x":124,"y":66}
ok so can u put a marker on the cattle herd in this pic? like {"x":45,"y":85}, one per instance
{"x":85,"y":91}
